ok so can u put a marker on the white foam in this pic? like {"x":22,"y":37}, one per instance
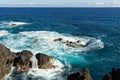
{"x":57,"y":64}
{"x":48,"y":74}
{"x":3,"y":33}
{"x":7,"y":76}
{"x":34,"y":62}
{"x":42,"y":41}
{"x":9,"y":24}
{"x":17,"y":23}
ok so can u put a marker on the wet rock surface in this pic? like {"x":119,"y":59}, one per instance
{"x":74,"y":44}
{"x":83,"y":75}
{"x":6,"y":61}
{"x":22,"y":60}
{"x":113,"y":75}
{"x":44,"y":61}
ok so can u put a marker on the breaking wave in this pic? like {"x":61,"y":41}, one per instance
{"x":42,"y":41}
{"x":10,"y":24}
{"x":37,"y":74}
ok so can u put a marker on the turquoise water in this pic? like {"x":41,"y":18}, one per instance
{"x":38,"y":27}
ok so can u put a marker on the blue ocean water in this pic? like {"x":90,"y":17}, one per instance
{"x":102,"y":25}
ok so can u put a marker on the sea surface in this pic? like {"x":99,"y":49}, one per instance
{"x":38,"y":27}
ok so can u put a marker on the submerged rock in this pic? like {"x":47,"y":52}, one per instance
{"x":113,"y":75}
{"x":83,"y":75}
{"x":6,"y":61}
{"x":22,"y":60}
{"x":44,"y":61}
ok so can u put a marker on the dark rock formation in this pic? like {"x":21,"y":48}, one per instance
{"x":113,"y":75}
{"x":44,"y":61}
{"x":22,"y":60}
{"x":58,"y":39}
{"x":83,"y":75}
{"x":74,"y":44}
{"x":13,"y":25}
{"x":6,"y":61}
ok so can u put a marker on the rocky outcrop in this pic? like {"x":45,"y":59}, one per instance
{"x":6,"y":61}
{"x":83,"y":75}
{"x":113,"y":75}
{"x":22,"y":60}
{"x":44,"y":61}
{"x":74,"y":44}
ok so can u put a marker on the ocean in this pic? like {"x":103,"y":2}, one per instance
{"x":38,"y":27}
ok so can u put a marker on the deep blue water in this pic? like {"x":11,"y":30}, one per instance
{"x":99,"y":23}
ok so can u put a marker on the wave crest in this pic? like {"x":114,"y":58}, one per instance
{"x":38,"y":41}
{"x":9,"y":24}
{"x":43,"y":41}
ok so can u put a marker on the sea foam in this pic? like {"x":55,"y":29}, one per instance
{"x":8,"y":24}
{"x":34,"y":62}
{"x":42,"y":41}
{"x":17,"y":23}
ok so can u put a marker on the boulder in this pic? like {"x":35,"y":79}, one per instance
{"x":22,"y":60}
{"x":44,"y":61}
{"x":113,"y":75}
{"x":6,"y":61}
{"x":83,"y":75}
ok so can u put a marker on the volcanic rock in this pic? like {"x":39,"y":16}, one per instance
{"x":22,"y":60}
{"x":113,"y":75}
{"x":44,"y":61}
{"x":83,"y":75}
{"x":6,"y":61}
{"x":74,"y":44}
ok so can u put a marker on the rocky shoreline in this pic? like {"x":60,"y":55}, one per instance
{"x":24,"y":60}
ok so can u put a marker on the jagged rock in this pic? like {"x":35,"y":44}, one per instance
{"x":44,"y":61}
{"x":6,"y":61}
{"x":83,"y":75}
{"x":22,"y":60}
{"x":75,"y":44}
{"x":113,"y":75}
